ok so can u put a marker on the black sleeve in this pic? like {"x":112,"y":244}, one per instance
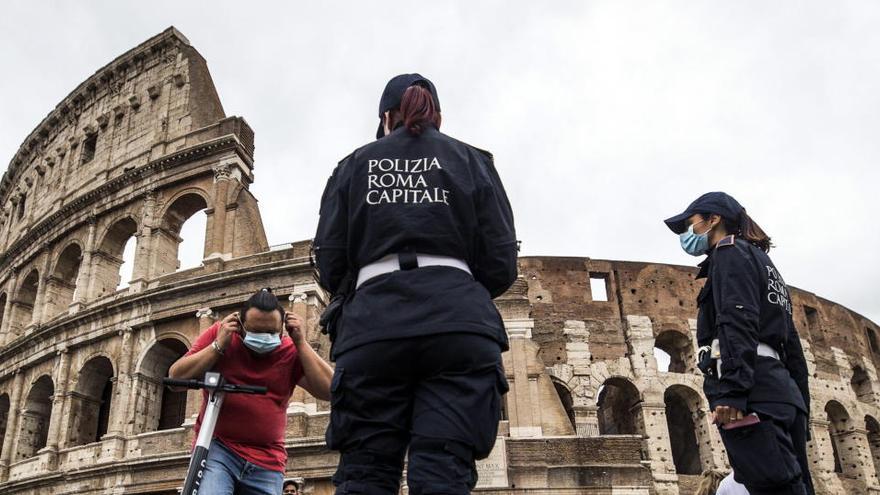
{"x":496,"y":246}
{"x":736,"y":284}
{"x":796,"y":363}
{"x":331,"y":239}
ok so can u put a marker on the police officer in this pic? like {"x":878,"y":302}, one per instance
{"x":416,"y":229}
{"x":750,"y":353}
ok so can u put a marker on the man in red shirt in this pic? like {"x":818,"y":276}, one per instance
{"x":247,"y":454}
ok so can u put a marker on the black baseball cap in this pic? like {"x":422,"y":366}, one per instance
{"x":394,"y":93}
{"x":717,"y":203}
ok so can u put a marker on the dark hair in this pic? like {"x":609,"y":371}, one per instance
{"x":416,"y":110}
{"x":290,"y":482}
{"x":264,"y":300}
{"x":745,"y":228}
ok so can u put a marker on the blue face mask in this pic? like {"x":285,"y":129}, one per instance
{"x":262,"y":343}
{"x":694,"y":244}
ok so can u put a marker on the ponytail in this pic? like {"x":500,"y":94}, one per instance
{"x":417,"y":110}
{"x":746,"y":228}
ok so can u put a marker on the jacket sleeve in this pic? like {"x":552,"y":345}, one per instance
{"x":736,"y":285}
{"x":796,"y":364}
{"x":331,"y":239}
{"x":496,"y":246}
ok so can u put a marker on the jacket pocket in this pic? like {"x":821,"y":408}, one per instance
{"x":756,"y":457}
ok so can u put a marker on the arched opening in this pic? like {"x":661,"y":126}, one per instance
{"x":108,"y":258}
{"x":873,"y":428}
{"x":4,"y":416}
{"x":160,"y":407}
{"x":565,"y":397}
{"x":126,"y":270}
{"x":170,"y":237}
{"x":843,"y":445}
{"x":35,"y":417}
{"x":861,"y":385}
{"x":618,"y":405}
{"x":23,"y":306}
{"x":91,"y":401}
{"x":61,"y":286}
{"x":192,"y":244}
{"x":682,"y":414}
{"x":679,"y":349}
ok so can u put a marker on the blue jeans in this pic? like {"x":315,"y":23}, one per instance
{"x":228,"y":474}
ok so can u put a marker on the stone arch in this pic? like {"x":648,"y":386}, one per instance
{"x":872,"y":427}
{"x":564,"y":393}
{"x":618,"y":402}
{"x":24,"y":302}
{"x":35,"y":417}
{"x":61,"y":286}
{"x":687,"y":432}
{"x":167,"y":239}
{"x":861,"y":385}
{"x":90,"y":401}
{"x":159,"y":407}
{"x":108,"y":257}
{"x":680,"y":349}
{"x":4,"y":416}
{"x":843,"y":443}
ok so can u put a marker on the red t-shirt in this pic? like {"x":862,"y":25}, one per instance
{"x":253,"y":426}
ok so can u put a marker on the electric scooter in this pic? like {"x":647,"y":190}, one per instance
{"x":217,"y":389}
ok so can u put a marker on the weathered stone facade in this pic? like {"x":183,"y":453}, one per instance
{"x":144,"y":144}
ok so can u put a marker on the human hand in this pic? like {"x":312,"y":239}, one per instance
{"x":726,"y":414}
{"x":230,"y":325}
{"x":294,"y":325}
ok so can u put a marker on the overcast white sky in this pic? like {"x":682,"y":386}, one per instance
{"x":604,"y":116}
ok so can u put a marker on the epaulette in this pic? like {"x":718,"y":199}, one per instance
{"x":729,"y":240}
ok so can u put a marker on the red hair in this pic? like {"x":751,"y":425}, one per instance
{"x":417,"y":110}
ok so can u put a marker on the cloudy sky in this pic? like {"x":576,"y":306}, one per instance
{"x":604,"y":116}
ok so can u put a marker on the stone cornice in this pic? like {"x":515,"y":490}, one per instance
{"x":224,"y":143}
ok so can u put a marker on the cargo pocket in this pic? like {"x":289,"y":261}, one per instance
{"x":488,"y":429}
{"x":756,"y":458}
{"x":337,"y":429}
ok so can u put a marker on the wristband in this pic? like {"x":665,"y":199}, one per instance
{"x":217,"y":348}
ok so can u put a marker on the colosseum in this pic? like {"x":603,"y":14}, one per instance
{"x":143,"y":145}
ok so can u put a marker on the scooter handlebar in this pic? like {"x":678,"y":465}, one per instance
{"x":226,"y":387}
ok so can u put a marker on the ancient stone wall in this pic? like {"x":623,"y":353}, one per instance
{"x":604,"y":395}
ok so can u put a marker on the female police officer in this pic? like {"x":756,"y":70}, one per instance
{"x":422,"y":226}
{"x":751,"y":356}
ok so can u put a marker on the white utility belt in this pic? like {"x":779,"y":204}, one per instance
{"x":391,"y":263}
{"x":763,"y":350}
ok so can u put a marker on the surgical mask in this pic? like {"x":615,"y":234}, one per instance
{"x":694,"y":244}
{"x":262,"y":343}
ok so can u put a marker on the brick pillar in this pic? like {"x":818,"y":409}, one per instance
{"x":141,"y":270}
{"x":83,"y":278}
{"x":40,"y":302}
{"x":11,"y":438}
{"x":640,"y":337}
{"x":7,"y":310}
{"x":652,"y":418}
{"x":59,"y":400}
{"x":216,"y":246}
{"x":122,"y":396}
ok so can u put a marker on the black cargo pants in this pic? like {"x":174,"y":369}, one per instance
{"x":439,"y":396}
{"x":770,"y":458}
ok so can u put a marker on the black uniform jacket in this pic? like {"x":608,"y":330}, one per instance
{"x":745,"y":301}
{"x":428,"y":194}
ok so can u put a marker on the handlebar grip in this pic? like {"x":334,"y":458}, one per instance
{"x":247,"y":389}
{"x":171,"y":382}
